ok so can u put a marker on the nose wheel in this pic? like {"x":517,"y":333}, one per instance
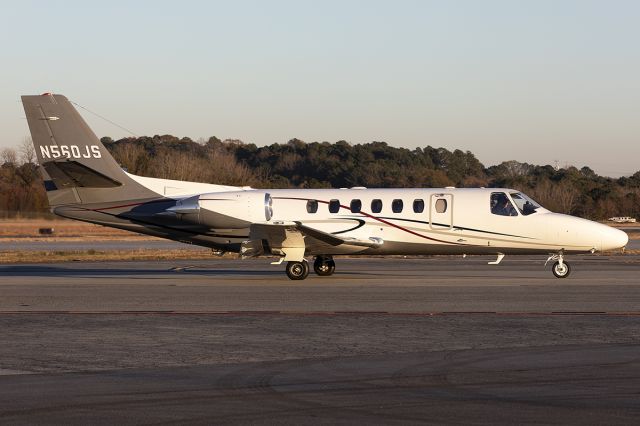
{"x":324,"y":266}
{"x":560,"y":268}
{"x":297,"y":270}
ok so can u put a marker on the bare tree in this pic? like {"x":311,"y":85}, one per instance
{"x":130,"y":156}
{"x":27,"y":151}
{"x":9,"y":156}
{"x":567,"y":196}
{"x":515,"y":168}
{"x":559,"y":197}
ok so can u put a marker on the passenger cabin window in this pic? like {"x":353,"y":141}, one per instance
{"x":441,"y":205}
{"x":356,"y":206}
{"x":334,"y":206}
{"x":525,"y":204}
{"x":396,"y":206}
{"x":376,"y":206}
{"x":418,"y":206}
{"x":312,"y":206}
{"x":501,"y":205}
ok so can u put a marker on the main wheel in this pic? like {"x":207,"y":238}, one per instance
{"x":297,"y":270}
{"x":324,"y":266}
{"x":561,"y":271}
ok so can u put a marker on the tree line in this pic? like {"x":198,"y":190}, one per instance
{"x":297,"y":164}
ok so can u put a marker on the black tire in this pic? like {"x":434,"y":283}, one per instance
{"x":324,"y":267}
{"x":297,"y":270}
{"x":561,"y":272}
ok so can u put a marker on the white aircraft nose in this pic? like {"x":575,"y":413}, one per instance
{"x":613,"y":238}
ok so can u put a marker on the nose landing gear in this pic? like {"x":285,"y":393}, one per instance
{"x":560,"y":268}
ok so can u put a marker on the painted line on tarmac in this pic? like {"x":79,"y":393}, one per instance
{"x":326,"y":313}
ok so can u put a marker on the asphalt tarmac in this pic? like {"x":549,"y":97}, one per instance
{"x":436,"y":340}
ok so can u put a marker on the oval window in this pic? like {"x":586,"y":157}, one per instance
{"x":312,"y":206}
{"x":376,"y":206}
{"x":356,"y":206}
{"x":441,"y":205}
{"x":334,"y":206}
{"x":396,"y":206}
{"x":418,"y":206}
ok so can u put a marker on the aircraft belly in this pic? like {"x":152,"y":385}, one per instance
{"x":412,"y":248}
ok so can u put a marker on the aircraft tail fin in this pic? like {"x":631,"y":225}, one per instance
{"x":76,"y":167}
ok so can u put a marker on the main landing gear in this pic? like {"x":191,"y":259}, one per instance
{"x":298,"y":270}
{"x":322,"y":265}
{"x":560,"y":268}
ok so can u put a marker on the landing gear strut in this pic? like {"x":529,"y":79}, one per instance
{"x":298,"y":270}
{"x":560,"y":268}
{"x":324,"y":266}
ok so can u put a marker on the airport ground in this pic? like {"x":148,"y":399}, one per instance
{"x":438,"y":340}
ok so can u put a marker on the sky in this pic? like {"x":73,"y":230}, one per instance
{"x":534,"y":81}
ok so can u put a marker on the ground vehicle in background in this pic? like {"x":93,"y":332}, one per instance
{"x":622,"y":219}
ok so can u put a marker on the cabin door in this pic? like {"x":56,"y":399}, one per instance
{"x":441,"y":211}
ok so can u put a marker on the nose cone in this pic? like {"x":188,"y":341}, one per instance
{"x":613,"y":238}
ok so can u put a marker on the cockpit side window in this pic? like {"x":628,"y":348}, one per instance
{"x":501,"y":205}
{"x":525,"y":204}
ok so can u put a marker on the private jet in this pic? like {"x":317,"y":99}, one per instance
{"x":84,"y":182}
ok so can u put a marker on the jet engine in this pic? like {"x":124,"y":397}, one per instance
{"x":225,"y":210}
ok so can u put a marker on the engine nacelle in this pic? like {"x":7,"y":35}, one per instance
{"x":225,"y":210}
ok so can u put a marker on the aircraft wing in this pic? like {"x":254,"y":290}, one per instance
{"x":291,"y":239}
{"x":336,"y":240}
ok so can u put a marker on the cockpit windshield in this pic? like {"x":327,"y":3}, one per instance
{"x":525,"y":204}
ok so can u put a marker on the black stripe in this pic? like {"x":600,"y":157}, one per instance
{"x":360,"y":224}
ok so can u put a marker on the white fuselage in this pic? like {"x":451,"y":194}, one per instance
{"x":466,"y":224}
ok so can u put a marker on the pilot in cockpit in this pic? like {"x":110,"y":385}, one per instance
{"x":501,"y":205}
{"x":528,"y":208}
